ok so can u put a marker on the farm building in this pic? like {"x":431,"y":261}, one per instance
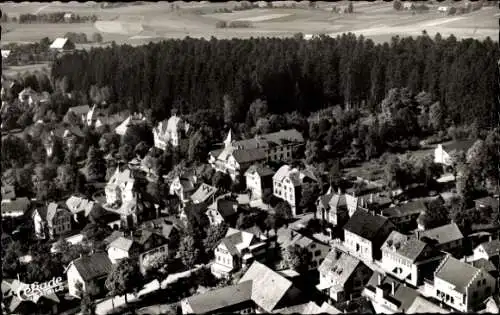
{"x":408,"y":6}
{"x":444,"y":9}
{"x":62,"y":44}
{"x":68,"y":17}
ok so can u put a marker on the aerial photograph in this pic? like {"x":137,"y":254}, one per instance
{"x":242,"y":157}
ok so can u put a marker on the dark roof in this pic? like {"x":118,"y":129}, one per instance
{"x":250,"y":155}
{"x":220,"y":298}
{"x":365,"y":224}
{"x":484,"y":264}
{"x":404,"y":296}
{"x":409,"y":208}
{"x":94,"y":266}
{"x":462,"y":145}
{"x":17,"y":205}
{"x":457,"y":273}
{"x":443,"y":234}
{"x":339,"y":266}
{"x":226,"y":208}
{"x":488,"y":202}
{"x":80,"y":110}
{"x":262,"y":170}
{"x":405,"y":246}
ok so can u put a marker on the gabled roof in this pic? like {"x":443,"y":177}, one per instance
{"x":456,"y":272}
{"x":236,"y":240}
{"x":78,"y":204}
{"x":79,"y":110}
{"x":203,"y":193}
{"x":421,"y":305}
{"x":410,"y":248}
{"x":403,"y":297}
{"x":413,"y":207}
{"x":309,"y":308}
{"x":268,"y":287}
{"x":218,"y":299}
{"x":484,"y":264}
{"x":443,"y":234}
{"x":58,"y":43}
{"x":8,"y":192}
{"x":20,"y":204}
{"x":260,"y":169}
{"x":462,"y":145}
{"x":115,"y":235}
{"x":250,"y":155}
{"x":92,"y":266}
{"x":52,"y":210}
{"x":491,"y":248}
{"x":339,"y":266}
{"x":488,"y":202}
{"x":365,"y":224}
{"x":121,"y":243}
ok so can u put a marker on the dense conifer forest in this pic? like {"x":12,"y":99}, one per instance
{"x":292,"y":74}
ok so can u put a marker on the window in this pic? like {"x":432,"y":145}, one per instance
{"x":484,"y":281}
{"x":488,"y":290}
{"x":479,"y":283}
{"x":317,"y":253}
{"x":474,"y":295}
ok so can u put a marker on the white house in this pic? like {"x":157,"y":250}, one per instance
{"x":120,"y":187}
{"x":169,"y":131}
{"x":409,"y":260}
{"x":461,"y":285}
{"x":332,"y":208}
{"x":443,"y":9}
{"x":62,"y":45}
{"x":86,"y":269}
{"x":258,"y":178}
{"x":488,"y":250}
{"x":131,"y":120}
{"x":238,"y":156}
{"x":51,"y":221}
{"x":287,"y":185}
{"x":237,"y":249}
{"x":443,"y":151}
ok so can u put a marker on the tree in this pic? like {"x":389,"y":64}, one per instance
{"x":214,"y":234}
{"x":397,"y":5}
{"x":350,"y":8}
{"x":221,"y":180}
{"x":283,"y":210}
{"x":297,"y":258}
{"x":258,"y":109}
{"x":229,"y":110}
{"x":97,"y":38}
{"x":66,"y":178}
{"x":126,"y":152}
{"x":310,"y":193}
{"x":137,"y":133}
{"x":124,"y":278}
{"x":141,"y":149}
{"x":436,"y":215}
{"x":188,"y":251}
{"x":465,"y":184}
{"x":436,"y":116}
{"x":157,"y":263}
{"x":96,"y":166}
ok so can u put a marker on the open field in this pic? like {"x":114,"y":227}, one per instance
{"x":138,"y":24}
{"x":12,"y":71}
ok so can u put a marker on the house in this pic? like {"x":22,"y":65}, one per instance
{"x":408,"y":6}
{"x":237,"y":156}
{"x":168,"y":228}
{"x":169,"y":131}
{"x":342,"y":276}
{"x":62,"y":45}
{"x":443,"y":151}
{"x":120,"y":187}
{"x":81,"y":207}
{"x":332,"y":208}
{"x":68,"y":17}
{"x":131,"y":120}
{"x":443,"y":9}
{"x":317,"y":250}
{"x":236,"y":250}
{"x":258,"y":177}
{"x":365,"y":233}
{"x":203,"y":194}
{"x":461,"y":285}
{"x":16,"y":207}
{"x":408,"y":259}
{"x":287,"y":185}
{"x":388,"y":295}
{"x":486,"y":265}
{"x":80,"y":112}
{"x":421,"y":305}
{"x":140,"y":245}
{"x":52,"y":221}
{"x":488,"y":250}
{"x":404,"y":216}
{"x":222,"y":210}
{"x":5,"y":53}
{"x":270,"y":290}
{"x":184,"y":185}
{"x":8,"y":192}
{"x":447,"y":238}
{"x":235,"y":298}
{"x":487,"y":202}
{"x":93,"y":268}
{"x":356,"y":199}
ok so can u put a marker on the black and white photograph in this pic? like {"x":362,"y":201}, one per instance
{"x":250,"y":157}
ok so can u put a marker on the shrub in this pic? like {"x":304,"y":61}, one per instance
{"x":221,"y":24}
{"x":240,"y":24}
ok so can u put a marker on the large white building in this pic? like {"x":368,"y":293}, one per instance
{"x":237,"y":156}
{"x":169,"y":131}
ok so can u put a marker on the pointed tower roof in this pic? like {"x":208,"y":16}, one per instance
{"x":229,"y":139}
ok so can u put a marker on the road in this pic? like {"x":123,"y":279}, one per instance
{"x":105,"y":306}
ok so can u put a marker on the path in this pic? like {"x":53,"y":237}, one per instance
{"x":105,"y":306}
{"x":42,"y":8}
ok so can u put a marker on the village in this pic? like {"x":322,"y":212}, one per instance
{"x":116,"y":200}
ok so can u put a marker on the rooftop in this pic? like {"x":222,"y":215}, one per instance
{"x":443,"y":234}
{"x":403,"y":297}
{"x":492,"y":248}
{"x":365,"y":224}
{"x":339,"y":266}
{"x":413,"y":207}
{"x":421,"y":305}
{"x":405,"y":246}
{"x":456,"y":272}
{"x":94,"y":266}
{"x":461,"y":145}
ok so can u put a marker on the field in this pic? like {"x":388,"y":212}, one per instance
{"x":139,"y":24}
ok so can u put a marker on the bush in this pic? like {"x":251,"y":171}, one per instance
{"x":221,"y":24}
{"x":97,"y":38}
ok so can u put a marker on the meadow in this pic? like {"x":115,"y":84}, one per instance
{"x":139,"y":24}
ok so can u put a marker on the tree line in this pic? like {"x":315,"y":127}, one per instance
{"x":292,"y":74}
{"x":55,"y":17}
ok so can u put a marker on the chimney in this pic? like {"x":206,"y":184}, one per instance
{"x":418,"y":234}
{"x":490,"y":238}
{"x":339,"y":192}
{"x":81,"y":255}
{"x":393,"y":288}
{"x":371,"y":198}
{"x":379,"y":280}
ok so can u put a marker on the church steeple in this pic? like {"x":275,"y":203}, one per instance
{"x":229,"y":139}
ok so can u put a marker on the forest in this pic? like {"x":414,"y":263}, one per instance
{"x":292,"y":74}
